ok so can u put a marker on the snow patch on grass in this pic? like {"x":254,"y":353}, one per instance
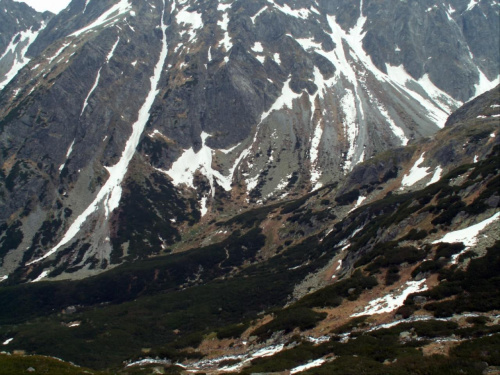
{"x":307,"y":366}
{"x":392,"y":300}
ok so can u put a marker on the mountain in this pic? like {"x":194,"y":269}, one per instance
{"x":250,"y":187}
{"x":392,"y":270}
{"x":134,"y":121}
{"x":20,"y":26}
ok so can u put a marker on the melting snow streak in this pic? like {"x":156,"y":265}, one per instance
{"x":393,"y":300}
{"x":111,"y":192}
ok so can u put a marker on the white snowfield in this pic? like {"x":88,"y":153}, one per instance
{"x":418,"y":173}
{"x":393,"y":300}
{"x":110,"y":194}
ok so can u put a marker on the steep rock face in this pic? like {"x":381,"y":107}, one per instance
{"x":19,"y":27}
{"x":405,"y":248}
{"x":253,"y":101}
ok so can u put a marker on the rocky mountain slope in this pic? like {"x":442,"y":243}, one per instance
{"x":135,"y":120}
{"x":20,"y":26}
{"x":393,"y":270}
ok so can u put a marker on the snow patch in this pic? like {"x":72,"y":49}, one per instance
{"x":351,"y":128}
{"x":226,"y":40}
{"x":393,"y":300}
{"x":257,"y":47}
{"x":416,"y":173}
{"x":438,"y":104}
{"x":24,"y":39}
{"x":436,"y":176}
{"x":3,"y":278}
{"x":192,"y":20}
{"x":8,"y":341}
{"x":43,"y":275}
{"x":297,"y":13}
{"x":484,"y":84}
{"x":184,"y":168}
{"x":360,"y":200}
{"x":70,"y":149}
{"x":314,"y":153}
{"x":471,"y":5}
{"x":203,"y":205}
{"x":284,"y":101}
{"x":307,"y":366}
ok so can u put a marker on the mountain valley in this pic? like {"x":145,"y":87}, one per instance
{"x":255,"y":187}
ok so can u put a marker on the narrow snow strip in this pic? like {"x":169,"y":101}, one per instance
{"x":20,"y":60}
{"x":85,"y":7}
{"x":268,"y":351}
{"x":98,"y":77}
{"x":351,"y":126}
{"x":393,"y":300}
{"x":43,"y":275}
{"x":150,"y":361}
{"x":360,"y":200}
{"x":396,"y":130}
{"x":229,"y":150}
{"x":416,"y":173}
{"x":314,"y":153}
{"x":70,"y":149}
{"x":59,"y":52}
{"x":3,"y":278}
{"x":417,"y":318}
{"x":110,"y":193}
{"x":111,"y":53}
{"x":472,"y":4}
{"x":94,"y":86}
{"x":468,"y":235}
{"x":203,"y":204}
{"x":307,"y":366}
{"x":122,"y":7}
{"x":253,"y":18}
{"x":8,"y":341}
{"x":437,"y":103}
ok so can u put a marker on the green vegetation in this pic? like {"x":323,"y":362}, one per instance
{"x":288,"y":319}
{"x":19,"y":364}
{"x":10,"y":238}
{"x":475,"y":289}
{"x":332,"y":295}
